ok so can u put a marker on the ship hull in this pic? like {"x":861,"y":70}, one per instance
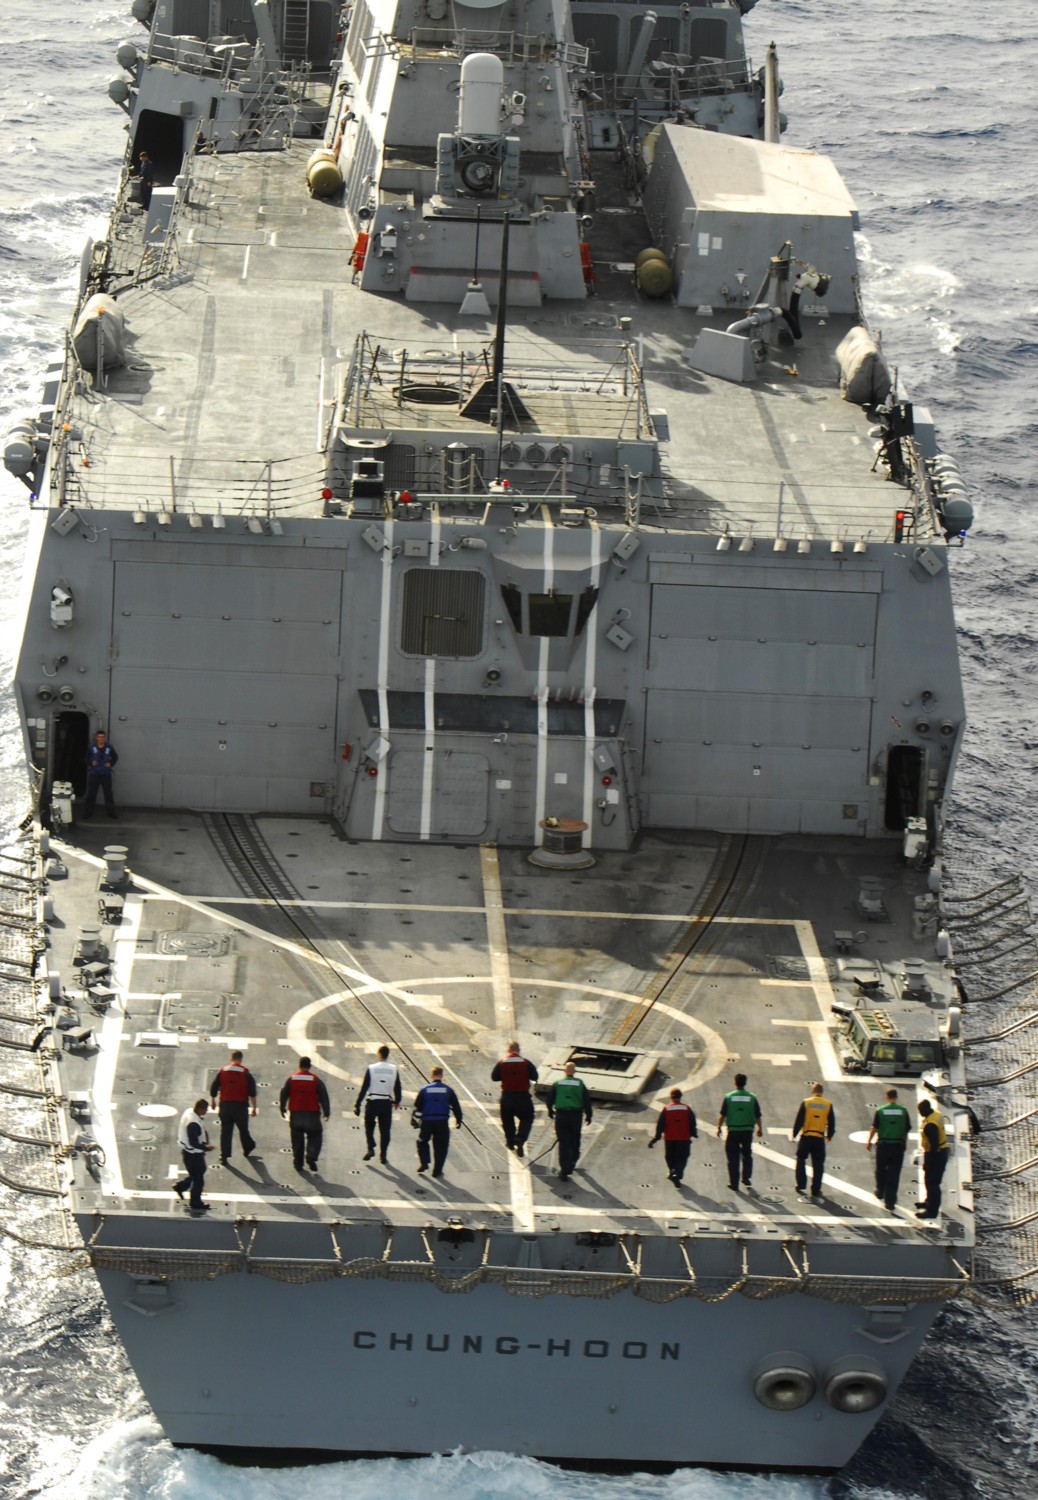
{"x":353,"y":1366}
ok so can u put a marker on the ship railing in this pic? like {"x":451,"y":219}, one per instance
{"x":510,"y":46}
{"x":35,"y":1148}
{"x":187,"y":54}
{"x":269,"y":123}
{"x":470,"y":1262}
{"x":158,"y":486}
{"x":813,"y":520}
{"x":681,"y":84}
{"x":383,"y":378}
{"x":994,"y":950}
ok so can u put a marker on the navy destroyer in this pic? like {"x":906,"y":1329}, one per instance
{"x":517,"y":586}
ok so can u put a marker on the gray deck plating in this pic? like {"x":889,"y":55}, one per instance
{"x":363,"y":951}
{"x":263,"y":302}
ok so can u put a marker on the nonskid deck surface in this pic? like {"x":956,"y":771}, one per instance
{"x":448,"y":952}
{"x":236,"y":356}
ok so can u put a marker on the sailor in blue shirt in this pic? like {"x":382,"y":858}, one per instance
{"x":100,"y":763}
{"x":434,"y":1106}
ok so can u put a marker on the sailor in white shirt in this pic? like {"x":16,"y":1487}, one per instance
{"x":381,"y":1088}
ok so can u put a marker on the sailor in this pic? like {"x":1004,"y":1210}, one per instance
{"x":740,"y":1111}
{"x":382,"y":1087}
{"x":889,"y":1129}
{"x":568,"y":1101}
{"x":815,"y":1124}
{"x":146,"y":172}
{"x":100,"y":763}
{"x":935,"y":1159}
{"x":306,"y":1099}
{"x":516,"y":1076}
{"x":235,"y":1087}
{"x":435,"y":1104}
{"x":677,"y":1126}
{"x":193,"y":1140}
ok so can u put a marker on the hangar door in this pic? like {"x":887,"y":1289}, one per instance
{"x":758,"y":713}
{"x":224,"y":683}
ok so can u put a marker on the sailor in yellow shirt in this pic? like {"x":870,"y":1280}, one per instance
{"x":935,"y":1158}
{"x":815,"y":1123}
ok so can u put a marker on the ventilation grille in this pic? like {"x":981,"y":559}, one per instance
{"x":443,"y":612}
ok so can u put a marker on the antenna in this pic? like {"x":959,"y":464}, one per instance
{"x":474,"y":304}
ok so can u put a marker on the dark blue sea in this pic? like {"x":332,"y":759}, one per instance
{"x":929,"y":113}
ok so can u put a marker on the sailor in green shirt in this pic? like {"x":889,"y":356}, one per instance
{"x":569,"y":1103}
{"x":740,"y":1111}
{"x":889,"y":1129}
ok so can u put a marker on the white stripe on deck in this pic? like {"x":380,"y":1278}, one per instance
{"x":109,"y":1040}
{"x":828,"y":1062}
{"x":504,"y":1014}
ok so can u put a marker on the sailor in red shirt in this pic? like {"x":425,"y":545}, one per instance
{"x":306,"y":1099}
{"x":516,"y":1076}
{"x":677,"y":1126}
{"x":235,"y":1087}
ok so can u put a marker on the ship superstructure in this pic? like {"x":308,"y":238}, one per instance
{"x":518,"y":590}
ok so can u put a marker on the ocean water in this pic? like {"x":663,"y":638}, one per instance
{"x":929,"y":114}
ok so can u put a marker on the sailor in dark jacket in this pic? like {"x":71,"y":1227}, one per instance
{"x":677,"y":1127}
{"x":100,"y":763}
{"x":516,"y":1075}
{"x":568,"y":1104}
{"x":434,"y":1106}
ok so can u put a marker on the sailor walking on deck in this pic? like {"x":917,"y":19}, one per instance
{"x":235,"y":1087}
{"x":814,"y":1124}
{"x":516,"y":1075}
{"x":935,"y":1159}
{"x":381,"y":1087}
{"x":306,"y":1099}
{"x":677,"y":1126}
{"x":435,"y":1104}
{"x":740,"y":1112}
{"x":193,"y":1140}
{"x":889,"y":1129}
{"x":568,"y":1103}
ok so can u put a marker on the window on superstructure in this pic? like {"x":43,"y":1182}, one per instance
{"x":443,"y":612}
{"x":549,"y":613}
{"x":514,"y":604}
{"x":585,"y":604}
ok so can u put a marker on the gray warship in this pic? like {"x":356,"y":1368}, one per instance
{"x":518,"y":587}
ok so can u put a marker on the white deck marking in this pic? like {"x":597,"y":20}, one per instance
{"x":429,"y":759}
{"x":109,"y":1040}
{"x":543,"y":657}
{"x":828,"y":1062}
{"x":319,"y":443}
{"x":245,"y":263}
{"x":789,"y":984}
{"x":831,"y":1184}
{"x":429,"y":1198}
{"x":504,"y":1014}
{"x":511,"y":911}
{"x":382,"y":780}
{"x":590,"y":663}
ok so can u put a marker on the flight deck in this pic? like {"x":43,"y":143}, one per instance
{"x":707,"y":954}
